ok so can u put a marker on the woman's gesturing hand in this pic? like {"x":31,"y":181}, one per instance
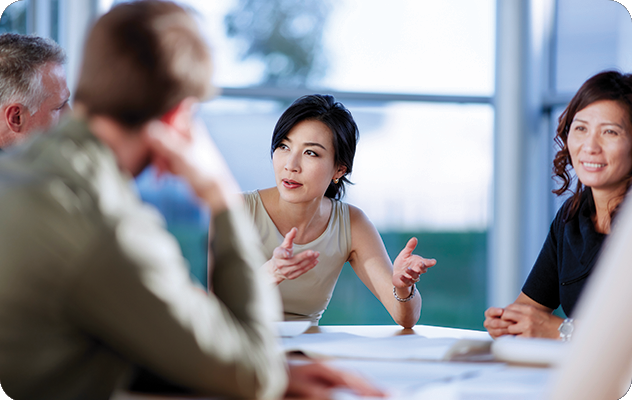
{"x":285,"y":265}
{"x":408,"y":266}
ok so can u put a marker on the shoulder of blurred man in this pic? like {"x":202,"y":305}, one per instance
{"x":64,"y":204}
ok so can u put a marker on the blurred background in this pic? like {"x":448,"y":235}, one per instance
{"x":456,"y":102}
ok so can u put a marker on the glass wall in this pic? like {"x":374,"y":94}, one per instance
{"x":14,"y":18}
{"x":591,"y":36}
{"x":422,"y":168}
{"x":418,"y":78}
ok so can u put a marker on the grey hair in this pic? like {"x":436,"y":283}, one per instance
{"x":22,"y":58}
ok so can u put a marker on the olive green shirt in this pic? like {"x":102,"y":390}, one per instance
{"x":92,"y":285}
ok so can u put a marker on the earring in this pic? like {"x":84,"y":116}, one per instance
{"x":336,"y":181}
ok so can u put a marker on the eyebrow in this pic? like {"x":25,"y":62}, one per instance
{"x":605,"y":123}
{"x":314,"y":144}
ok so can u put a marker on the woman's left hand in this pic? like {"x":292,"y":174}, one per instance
{"x":408,"y":267}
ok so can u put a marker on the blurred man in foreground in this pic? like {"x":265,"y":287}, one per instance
{"x":33,"y":90}
{"x":92,"y":287}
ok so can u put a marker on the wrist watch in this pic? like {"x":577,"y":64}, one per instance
{"x":566,"y":329}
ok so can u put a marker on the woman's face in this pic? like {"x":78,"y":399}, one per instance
{"x":600,"y":145}
{"x":304,"y":162}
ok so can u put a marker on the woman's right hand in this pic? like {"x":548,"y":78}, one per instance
{"x":494,"y":323}
{"x":285,"y":265}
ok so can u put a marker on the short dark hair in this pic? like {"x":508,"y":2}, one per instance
{"x":22,"y":58}
{"x":337,"y":118}
{"x":606,"y":85}
{"x":141,"y":59}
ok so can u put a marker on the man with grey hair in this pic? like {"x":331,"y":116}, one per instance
{"x":33,"y":89}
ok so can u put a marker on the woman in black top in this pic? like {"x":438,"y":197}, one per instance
{"x":595,"y":139}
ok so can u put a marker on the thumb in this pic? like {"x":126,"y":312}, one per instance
{"x":410,"y":246}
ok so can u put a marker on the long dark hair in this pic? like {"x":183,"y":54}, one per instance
{"x":607,"y":85}
{"x":337,"y":118}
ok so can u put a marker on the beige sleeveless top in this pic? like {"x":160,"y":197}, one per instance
{"x":307,"y":297}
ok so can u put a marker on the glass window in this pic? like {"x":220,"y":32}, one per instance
{"x":421,"y":168}
{"x":14,"y":18}
{"x":405,"y":46}
{"x":592,"y":35}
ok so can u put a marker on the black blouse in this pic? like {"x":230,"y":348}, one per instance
{"x":566,"y":259}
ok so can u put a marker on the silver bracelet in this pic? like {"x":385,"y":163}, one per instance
{"x":409,"y":298}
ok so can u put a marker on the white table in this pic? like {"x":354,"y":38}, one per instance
{"x":437,"y":380}
{"x":434,"y":380}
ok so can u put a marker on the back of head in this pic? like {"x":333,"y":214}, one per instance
{"x":337,"y":118}
{"x":141,"y":59}
{"x":22,"y":58}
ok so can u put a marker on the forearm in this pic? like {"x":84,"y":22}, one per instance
{"x":238,"y":282}
{"x":136,"y":297}
{"x":405,"y":313}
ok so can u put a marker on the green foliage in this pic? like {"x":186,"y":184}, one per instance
{"x":453,"y":291}
{"x":286,"y":35}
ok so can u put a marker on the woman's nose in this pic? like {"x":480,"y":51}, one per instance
{"x":592,"y":143}
{"x":292,"y":163}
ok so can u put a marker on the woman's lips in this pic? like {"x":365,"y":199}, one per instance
{"x":592,"y":166}
{"x":291,"y":184}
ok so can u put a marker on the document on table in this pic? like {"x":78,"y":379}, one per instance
{"x":407,"y":377}
{"x":403,"y":347}
{"x":429,"y":380}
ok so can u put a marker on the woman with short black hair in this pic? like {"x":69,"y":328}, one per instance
{"x":308,"y":233}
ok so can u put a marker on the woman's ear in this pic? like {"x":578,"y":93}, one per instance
{"x":342,"y":170}
{"x":180,"y":117}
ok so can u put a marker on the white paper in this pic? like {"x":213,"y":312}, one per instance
{"x":403,"y":347}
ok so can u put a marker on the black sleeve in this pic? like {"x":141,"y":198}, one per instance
{"x":542,"y":284}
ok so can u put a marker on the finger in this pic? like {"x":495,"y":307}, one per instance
{"x":516,"y":329}
{"x":282,"y":253}
{"x":410,"y":246}
{"x":305,"y":255}
{"x":496,"y":323}
{"x":494,"y":312}
{"x":288,"y":241}
{"x":360,"y":386}
{"x":414,"y":271}
{"x":429,"y":262}
{"x":330,"y":378}
{"x":301,"y":269}
{"x":512,"y":315}
{"x":407,"y":281}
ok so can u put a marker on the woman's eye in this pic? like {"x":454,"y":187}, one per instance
{"x":311,"y":153}
{"x":611,"y":132}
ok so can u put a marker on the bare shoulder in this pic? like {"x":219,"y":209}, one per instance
{"x":360,"y":222}
{"x":357,"y":217}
